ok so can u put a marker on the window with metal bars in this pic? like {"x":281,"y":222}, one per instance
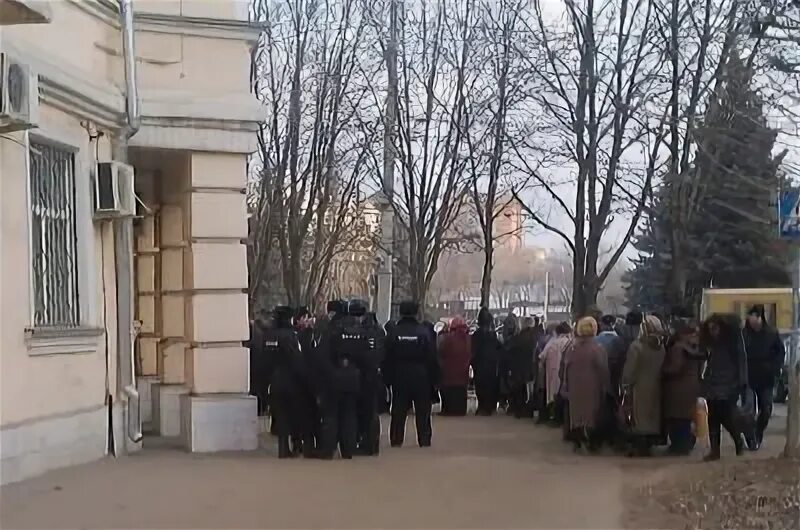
{"x":53,"y":237}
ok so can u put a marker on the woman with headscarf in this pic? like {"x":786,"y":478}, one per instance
{"x":455,"y":353}
{"x":641,"y":383}
{"x":550,"y":359}
{"x":585,"y":385}
{"x":681,"y":387}
{"x":485,"y":352}
{"x":724,"y":380}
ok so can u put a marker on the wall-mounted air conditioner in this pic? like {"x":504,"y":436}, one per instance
{"x":113,"y":190}
{"x":19,"y":95}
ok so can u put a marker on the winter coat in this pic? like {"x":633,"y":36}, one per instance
{"x":520,"y":349}
{"x":725,"y":374}
{"x":616,"y":350}
{"x":551,"y":364}
{"x":586,"y":380}
{"x":641,"y":379}
{"x":765,"y":355}
{"x":485,"y":354}
{"x":628,"y":333}
{"x":455,"y":352}
{"x":681,"y":381}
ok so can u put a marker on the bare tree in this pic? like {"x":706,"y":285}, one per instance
{"x":434,"y":77}
{"x":599,"y":76}
{"x":500,"y":89}
{"x":315,"y":143}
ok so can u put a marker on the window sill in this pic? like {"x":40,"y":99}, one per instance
{"x":53,"y":341}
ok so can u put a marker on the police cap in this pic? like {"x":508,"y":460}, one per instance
{"x":409,"y":309}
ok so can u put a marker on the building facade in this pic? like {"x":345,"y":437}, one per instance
{"x":117,"y":324}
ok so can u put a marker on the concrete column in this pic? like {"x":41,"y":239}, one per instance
{"x":147,"y":269}
{"x":173,"y":232}
{"x":218,"y":414}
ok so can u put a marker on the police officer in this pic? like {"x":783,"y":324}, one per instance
{"x":337,"y":353}
{"x":259,"y":370}
{"x":412,"y":369}
{"x":282,"y":351}
{"x":370,"y":357}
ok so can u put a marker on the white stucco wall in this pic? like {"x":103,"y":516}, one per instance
{"x":193,"y":74}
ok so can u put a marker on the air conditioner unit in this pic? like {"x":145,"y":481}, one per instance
{"x":19,"y":95}
{"x":113,"y":190}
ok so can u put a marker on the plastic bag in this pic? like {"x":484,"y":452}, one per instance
{"x":701,"y":422}
{"x":745,"y":413}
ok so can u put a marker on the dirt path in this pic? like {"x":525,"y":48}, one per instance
{"x":481,"y":473}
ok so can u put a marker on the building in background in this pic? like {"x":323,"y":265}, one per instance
{"x":109,"y":322}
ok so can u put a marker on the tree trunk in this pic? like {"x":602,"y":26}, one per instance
{"x":486,"y":278}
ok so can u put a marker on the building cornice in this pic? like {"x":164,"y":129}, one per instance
{"x":212,"y":28}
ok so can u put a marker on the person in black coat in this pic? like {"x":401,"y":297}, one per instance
{"x":259,"y":370}
{"x":765,"y":357}
{"x":485,"y":361}
{"x":339,"y":382}
{"x":369,"y":360}
{"x":282,"y":351}
{"x":521,"y":348}
{"x":725,"y":378}
{"x":412,"y":369}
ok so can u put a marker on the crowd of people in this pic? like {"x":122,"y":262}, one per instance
{"x":628,"y":383}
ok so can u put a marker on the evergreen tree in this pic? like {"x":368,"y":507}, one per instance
{"x":732,"y":241}
{"x":734,"y":237}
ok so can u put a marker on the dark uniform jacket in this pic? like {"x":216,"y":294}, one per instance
{"x":284,"y":359}
{"x":410,"y":353}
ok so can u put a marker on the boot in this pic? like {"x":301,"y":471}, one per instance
{"x":738,"y":441}
{"x":308,"y":448}
{"x":713,"y":454}
{"x":284,"y":450}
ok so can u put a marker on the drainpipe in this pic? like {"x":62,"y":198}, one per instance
{"x":129,"y":54}
{"x":123,"y":236}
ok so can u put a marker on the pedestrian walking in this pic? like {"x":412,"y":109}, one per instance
{"x":765,"y":358}
{"x":681,"y":387}
{"x":724,"y":379}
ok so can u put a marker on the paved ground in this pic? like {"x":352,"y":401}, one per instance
{"x":481,"y":473}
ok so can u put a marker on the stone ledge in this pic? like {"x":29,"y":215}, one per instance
{"x":30,"y":449}
{"x":219,"y":422}
{"x":166,"y":400}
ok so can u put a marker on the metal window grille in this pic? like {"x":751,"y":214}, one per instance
{"x":53,"y":237}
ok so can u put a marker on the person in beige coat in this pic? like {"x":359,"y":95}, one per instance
{"x":586,"y":385}
{"x":641,"y":383}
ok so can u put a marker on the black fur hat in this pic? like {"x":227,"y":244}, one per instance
{"x":337,"y":306}
{"x":409,"y":309}
{"x":634,"y":318}
{"x":282,"y":313}
{"x":357,"y":308}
